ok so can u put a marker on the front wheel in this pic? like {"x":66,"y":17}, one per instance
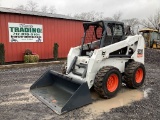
{"x":107,"y":81}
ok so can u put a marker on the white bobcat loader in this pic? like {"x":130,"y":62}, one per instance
{"x":104,"y":58}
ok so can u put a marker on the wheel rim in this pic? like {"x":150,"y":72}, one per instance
{"x":112,"y":83}
{"x":139,"y":75}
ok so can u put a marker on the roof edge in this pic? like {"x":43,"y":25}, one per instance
{"x":36,"y":13}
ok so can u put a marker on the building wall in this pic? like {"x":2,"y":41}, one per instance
{"x":67,"y":33}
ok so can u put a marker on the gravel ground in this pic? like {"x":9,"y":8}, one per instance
{"x":16,"y":102}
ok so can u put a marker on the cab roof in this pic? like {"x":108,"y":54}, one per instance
{"x":148,"y":29}
{"x":100,"y":23}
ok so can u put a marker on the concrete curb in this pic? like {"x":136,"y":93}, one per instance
{"x":25,"y":65}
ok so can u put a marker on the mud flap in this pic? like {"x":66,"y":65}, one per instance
{"x":61,"y":93}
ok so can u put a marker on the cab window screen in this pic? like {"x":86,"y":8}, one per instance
{"x":117,"y":29}
{"x":91,"y":34}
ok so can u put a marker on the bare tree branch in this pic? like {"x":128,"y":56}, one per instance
{"x":44,"y":9}
{"x":108,"y":18}
{"x":117,"y":16}
{"x":92,"y":16}
{"x":133,"y":23}
{"x":32,"y":6}
{"x":21,"y":7}
{"x":52,"y":9}
{"x":152,"y":21}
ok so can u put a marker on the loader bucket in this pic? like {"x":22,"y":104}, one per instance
{"x":61,"y":93}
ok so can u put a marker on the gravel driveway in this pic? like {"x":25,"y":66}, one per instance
{"x":16,"y":102}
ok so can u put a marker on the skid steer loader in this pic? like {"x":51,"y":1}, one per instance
{"x":105,"y":56}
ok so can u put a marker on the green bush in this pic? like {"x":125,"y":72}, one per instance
{"x":26,"y":58}
{"x":36,"y":58}
{"x":31,"y":58}
{"x":55,"y":51}
{"x":2,"y":54}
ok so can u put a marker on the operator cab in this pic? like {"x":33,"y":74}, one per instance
{"x":100,"y":34}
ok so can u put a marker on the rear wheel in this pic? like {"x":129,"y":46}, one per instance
{"x":107,"y":82}
{"x":134,"y":74}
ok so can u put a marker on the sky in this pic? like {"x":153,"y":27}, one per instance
{"x":129,"y":8}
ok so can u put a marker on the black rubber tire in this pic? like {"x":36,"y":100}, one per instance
{"x":130,"y":73}
{"x":101,"y":79}
{"x":64,"y":68}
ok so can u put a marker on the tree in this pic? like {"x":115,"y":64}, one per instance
{"x":133,"y":22}
{"x":117,"y":16}
{"x":47,"y":9}
{"x":91,"y":16}
{"x":44,"y":9}
{"x":21,"y":7}
{"x":152,"y":21}
{"x":108,"y":18}
{"x":52,"y":9}
{"x":31,"y":6}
